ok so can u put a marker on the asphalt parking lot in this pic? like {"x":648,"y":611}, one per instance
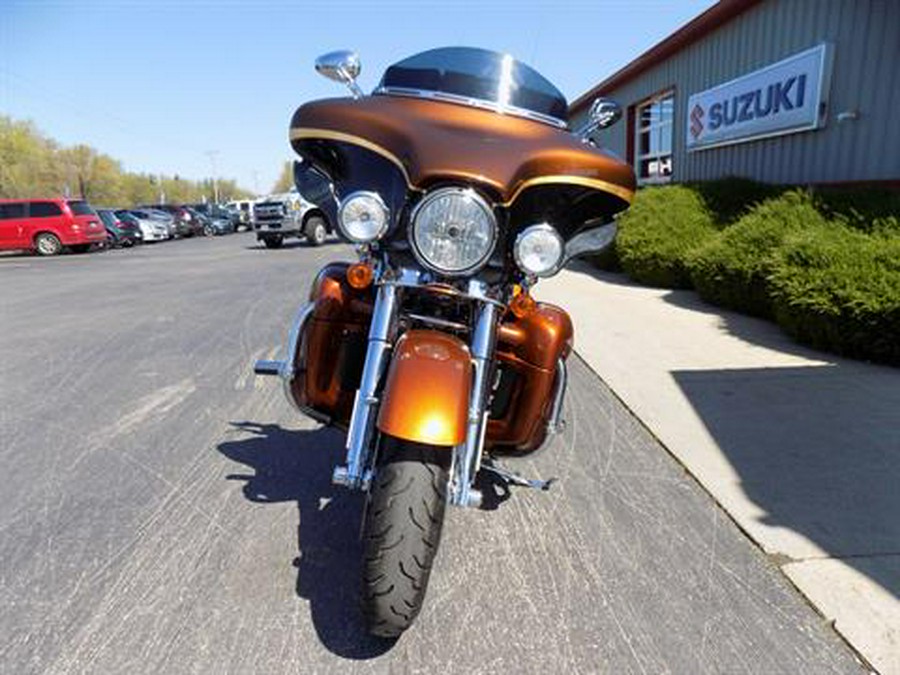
{"x":165,"y":511}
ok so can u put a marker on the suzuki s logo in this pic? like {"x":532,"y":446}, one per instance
{"x":696,"y":121}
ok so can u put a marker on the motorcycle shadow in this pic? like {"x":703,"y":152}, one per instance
{"x":296,"y":465}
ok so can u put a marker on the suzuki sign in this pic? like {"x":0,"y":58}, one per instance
{"x":783,"y":98}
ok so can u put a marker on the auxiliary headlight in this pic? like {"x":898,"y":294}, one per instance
{"x":539,"y":250}
{"x":453,"y":231}
{"x":363,"y":217}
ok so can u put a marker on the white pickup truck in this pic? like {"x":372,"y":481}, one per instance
{"x":289,"y":215}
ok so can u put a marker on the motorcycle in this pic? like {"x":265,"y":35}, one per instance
{"x":461,"y":185}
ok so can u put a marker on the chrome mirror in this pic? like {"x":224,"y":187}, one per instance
{"x":341,"y":66}
{"x":590,"y":242}
{"x":603,"y":113}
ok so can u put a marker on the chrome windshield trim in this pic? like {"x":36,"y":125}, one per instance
{"x":472,"y":103}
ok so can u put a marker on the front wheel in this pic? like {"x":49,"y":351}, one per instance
{"x":316,"y":230}
{"x":402,"y":533}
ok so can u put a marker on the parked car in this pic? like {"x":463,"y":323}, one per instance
{"x":121,"y":232}
{"x":216,"y":211}
{"x":218,"y":224}
{"x":161,"y":217}
{"x":151,"y":230}
{"x":48,"y":225}
{"x":184,"y":220}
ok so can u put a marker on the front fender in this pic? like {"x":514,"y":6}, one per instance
{"x":426,"y":395}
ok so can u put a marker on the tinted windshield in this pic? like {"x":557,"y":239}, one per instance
{"x":479,"y":74}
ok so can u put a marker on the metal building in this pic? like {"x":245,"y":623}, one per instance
{"x":781,"y":91}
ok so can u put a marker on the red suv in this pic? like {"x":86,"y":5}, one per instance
{"x":46,"y":225}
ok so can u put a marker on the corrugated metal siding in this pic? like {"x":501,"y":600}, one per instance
{"x":865,"y":35}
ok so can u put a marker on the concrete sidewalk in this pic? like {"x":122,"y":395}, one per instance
{"x":801,"y":448}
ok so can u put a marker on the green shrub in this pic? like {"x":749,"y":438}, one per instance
{"x":732,"y":268}
{"x":730,"y":198}
{"x":839,"y":290}
{"x":663,"y":225}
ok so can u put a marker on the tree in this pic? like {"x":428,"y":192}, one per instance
{"x":286,"y":180}
{"x":32,"y":165}
{"x":26,"y":160}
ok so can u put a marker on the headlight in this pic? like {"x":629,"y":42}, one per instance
{"x":363,"y":217}
{"x":453,"y":231}
{"x":539,"y":250}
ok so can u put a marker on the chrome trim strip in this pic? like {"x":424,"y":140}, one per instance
{"x":483,"y":104}
{"x":594,"y":183}
{"x":300,"y":133}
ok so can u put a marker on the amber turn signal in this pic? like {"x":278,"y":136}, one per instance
{"x":359,"y":275}
{"x":522,"y":304}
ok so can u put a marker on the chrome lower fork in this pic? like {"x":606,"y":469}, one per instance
{"x":356,"y":473}
{"x":467,"y":456}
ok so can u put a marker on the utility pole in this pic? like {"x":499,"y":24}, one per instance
{"x":212,"y":154}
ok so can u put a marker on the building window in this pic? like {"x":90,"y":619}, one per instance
{"x":654,"y":122}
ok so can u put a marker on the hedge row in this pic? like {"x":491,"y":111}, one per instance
{"x":659,"y":231}
{"x":839,"y":290}
{"x":825,"y":266}
{"x":733,"y":268}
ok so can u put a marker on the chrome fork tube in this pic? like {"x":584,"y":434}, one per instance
{"x":354,"y":473}
{"x":468,"y":455}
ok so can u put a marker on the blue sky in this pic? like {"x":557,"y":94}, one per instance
{"x":159,"y":84}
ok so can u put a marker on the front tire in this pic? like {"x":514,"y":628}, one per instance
{"x":402,"y":533}
{"x":316,"y":230}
